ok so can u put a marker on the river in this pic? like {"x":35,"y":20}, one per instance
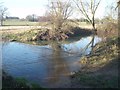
{"x":47,"y":65}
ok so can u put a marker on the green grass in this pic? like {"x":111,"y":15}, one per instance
{"x":24,"y":36}
{"x":9,"y":82}
{"x":16,"y":22}
{"x":24,"y":82}
{"x":98,"y":80}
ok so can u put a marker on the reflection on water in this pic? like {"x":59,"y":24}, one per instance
{"x":77,"y":47}
{"x":47,"y":65}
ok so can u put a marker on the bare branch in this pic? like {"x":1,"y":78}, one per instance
{"x":85,"y":10}
{"x":85,"y":13}
{"x":2,"y":13}
{"x":97,"y":6}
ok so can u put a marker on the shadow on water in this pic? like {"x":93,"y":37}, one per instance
{"x":49,"y":65}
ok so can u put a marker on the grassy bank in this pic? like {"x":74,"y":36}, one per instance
{"x":99,"y":69}
{"x":31,"y":35}
{"x":22,"y":36}
{"x":10,"y":82}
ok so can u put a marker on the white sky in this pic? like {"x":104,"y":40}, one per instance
{"x":22,"y":8}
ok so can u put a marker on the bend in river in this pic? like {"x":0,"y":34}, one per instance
{"x":48,"y":65}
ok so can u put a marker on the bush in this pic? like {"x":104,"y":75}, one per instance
{"x":57,"y":34}
{"x":107,"y":30}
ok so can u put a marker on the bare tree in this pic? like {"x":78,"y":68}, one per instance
{"x":118,"y":4}
{"x":2,"y":13}
{"x":111,"y":12}
{"x":59,"y":11}
{"x":32,"y":18}
{"x":88,"y":9}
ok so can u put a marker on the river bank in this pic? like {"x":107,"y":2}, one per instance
{"x":9,"y":82}
{"x":31,"y":35}
{"x":99,"y":69}
{"x":50,"y":64}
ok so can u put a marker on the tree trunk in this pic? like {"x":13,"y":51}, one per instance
{"x":92,"y":45}
{"x":1,"y":21}
{"x":94,"y":33}
{"x":93,"y":25}
{"x":119,"y":17}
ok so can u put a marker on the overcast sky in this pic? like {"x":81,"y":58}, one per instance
{"x":22,"y":8}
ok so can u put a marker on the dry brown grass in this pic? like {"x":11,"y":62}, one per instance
{"x":107,"y":30}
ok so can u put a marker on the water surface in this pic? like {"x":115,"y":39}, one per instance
{"x":48,"y":65}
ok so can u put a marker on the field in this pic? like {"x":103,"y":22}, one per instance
{"x":16,"y":22}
